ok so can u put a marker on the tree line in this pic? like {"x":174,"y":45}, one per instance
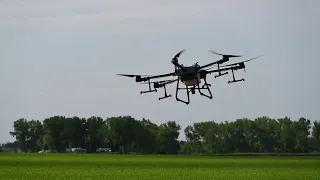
{"x":126,"y":134}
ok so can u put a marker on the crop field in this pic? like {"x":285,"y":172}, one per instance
{"x":164,"y":167}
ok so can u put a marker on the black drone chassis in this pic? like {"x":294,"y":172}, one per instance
{"x":192,"y":89}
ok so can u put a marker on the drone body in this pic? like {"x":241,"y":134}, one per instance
{"x":191,"y":76}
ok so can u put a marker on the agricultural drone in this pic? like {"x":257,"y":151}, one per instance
{"x":191,"y":76}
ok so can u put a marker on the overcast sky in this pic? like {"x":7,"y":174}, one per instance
{"x":61,"y":57}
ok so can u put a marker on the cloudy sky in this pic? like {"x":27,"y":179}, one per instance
{"x":61,"y":57}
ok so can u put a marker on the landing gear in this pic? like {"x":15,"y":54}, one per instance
{"x":165,"y":93}
{"x":187,"y":89}
{"x":220,"y":74}
{"x":205,"y":86}
{"x":234,"y":80}
{"x":155,"y":90}
{"x":193,"y":88}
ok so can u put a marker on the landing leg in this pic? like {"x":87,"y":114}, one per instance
{"x":234,"y":80}
{"x":205,"y":86}
{"x":220,"y":74}
{"x":155,"y":90}
{"x":186,"y":102}
{"x":165,"y":93}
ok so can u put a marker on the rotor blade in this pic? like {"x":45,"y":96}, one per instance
{"x":240,"y":62}
{"x":134,"y":75}
{"x":225,"y":58}
{"x":224,"y":55}
{"x":178,"y":54}
{"x":127,"y":75}
{"x":175,"y":58}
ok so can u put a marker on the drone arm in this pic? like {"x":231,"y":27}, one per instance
{"x":225,"y":69}
{"x":159,"y":76}
{"x":210,"y":64}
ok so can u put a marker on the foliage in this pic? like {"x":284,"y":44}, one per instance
{"x":110,"y":166}
{"x":126,"y":134}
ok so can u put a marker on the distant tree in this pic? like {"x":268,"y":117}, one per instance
{"x":54,"y":129}
{"x":45,"y":147}
{"x":35,"y":135}
{"x":168,"y":138}
{"x":21,"y":132}
{"x":126,"y":134}
{"x":316,"y":130}
{"x":95,"y":136}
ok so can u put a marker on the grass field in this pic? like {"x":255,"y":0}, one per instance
{"x":139,"y":167}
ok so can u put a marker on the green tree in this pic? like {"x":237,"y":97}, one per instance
{"x":126,"y":134}
{"x":168,"y":138}
{"x":75,"y":131}
{"x":54,"y":129}
{"x":95,"y":133}
{"x":316,"y":130}
{"x":21,"y":132}
{"x":35,"y":135}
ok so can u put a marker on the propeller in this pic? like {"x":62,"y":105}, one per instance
{"x":174,"y":61}
{"x":127,"y":75}
{"x":227,"y":56}
{"x":240,"y":62}
{"x":233,"y":63}
{"x":131,"y":75}
{"x":175,"y":58}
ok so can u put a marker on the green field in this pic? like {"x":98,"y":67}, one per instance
{"x":111,"y":166}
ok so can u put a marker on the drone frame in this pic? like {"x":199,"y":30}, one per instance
{"x":200,"y":73}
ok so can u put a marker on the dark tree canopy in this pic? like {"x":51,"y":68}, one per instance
{"x":126,"y":134}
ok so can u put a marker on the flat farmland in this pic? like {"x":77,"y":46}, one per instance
{"x":164,"y":167}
